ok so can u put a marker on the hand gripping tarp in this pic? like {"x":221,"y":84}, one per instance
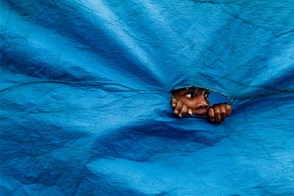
{"x":85,"y":88}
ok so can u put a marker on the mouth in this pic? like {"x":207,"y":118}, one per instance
{"x":201,"y":112}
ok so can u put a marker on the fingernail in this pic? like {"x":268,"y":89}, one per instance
{"x":190,"y":112}
{"x":180,"y":115}
{"x":176,"y":112}
{"x":174,"y":105}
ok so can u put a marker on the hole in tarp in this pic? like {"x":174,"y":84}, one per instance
{"x":199,"y":99}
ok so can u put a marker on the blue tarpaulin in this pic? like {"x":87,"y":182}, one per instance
{"x":85,"y":88}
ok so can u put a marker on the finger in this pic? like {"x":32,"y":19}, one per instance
{"x":174,"y":102}
{"x":223,"y":113}
{"x":211,"y":114}
{"x":178,"y":108}
{"x":183,"y":111}
{"x":217,"y":115}
{"x":190,"y":111}
{"x":228,"y":109}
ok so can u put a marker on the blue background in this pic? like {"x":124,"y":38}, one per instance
{"x":85,"y":89}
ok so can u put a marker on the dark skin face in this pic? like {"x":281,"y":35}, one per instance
{"x":195,"y":101}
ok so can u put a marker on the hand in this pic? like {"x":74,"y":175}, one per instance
{"x":219,"y":112}
{"x":216,"y":113}
{"x":180,"y":109}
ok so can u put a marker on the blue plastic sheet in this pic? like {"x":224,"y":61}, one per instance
{"x":85,"y":89}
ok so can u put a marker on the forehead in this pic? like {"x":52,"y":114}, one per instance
{"x":184,"y":90}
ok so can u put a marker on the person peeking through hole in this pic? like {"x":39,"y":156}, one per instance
{"x":194,"y":100}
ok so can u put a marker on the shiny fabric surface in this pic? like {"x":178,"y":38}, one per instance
{"x":85,"y":88}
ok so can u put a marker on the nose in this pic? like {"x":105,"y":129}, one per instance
{"x":202,"y":106}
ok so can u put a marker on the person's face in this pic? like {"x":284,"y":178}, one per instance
{"x":195,"y":98}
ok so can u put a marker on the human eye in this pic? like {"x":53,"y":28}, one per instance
{"x":189,"y":95}
{"x":206,"y":94}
